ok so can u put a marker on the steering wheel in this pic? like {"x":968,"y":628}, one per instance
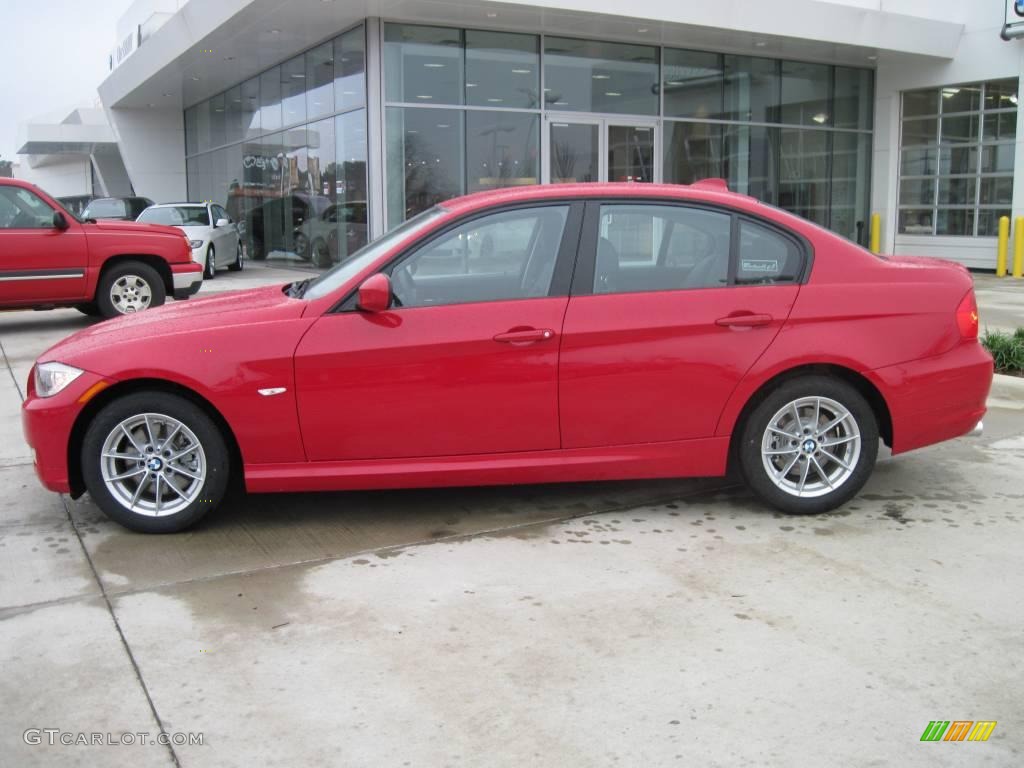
{"x":403,"y":286}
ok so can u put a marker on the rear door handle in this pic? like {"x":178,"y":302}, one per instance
{"x":525,"y":336}
{"x":745,"y":320}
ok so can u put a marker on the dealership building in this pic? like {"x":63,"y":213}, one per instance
{"x":321,"y":123}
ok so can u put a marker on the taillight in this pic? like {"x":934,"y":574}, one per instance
{"x":967,"y":316}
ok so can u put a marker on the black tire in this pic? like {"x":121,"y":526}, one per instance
{"x":202,"y":426}
{"x":321,"y":254}
{"x":236,"y":265}
{"x":258,"y":253}
{"x":88,"y":309}
{"x":210,"y":267}
{"x":752,"y":466}
{"x":106,"y":304}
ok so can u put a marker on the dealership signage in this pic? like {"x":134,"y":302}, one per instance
{"x":1013,"y":20}
{"x":125,"y":48}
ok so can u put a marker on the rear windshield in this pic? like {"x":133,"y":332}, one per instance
{"x":105,"y":209}
{"x":177,"y":216}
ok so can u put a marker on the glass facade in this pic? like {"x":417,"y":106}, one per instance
{"x":793,"y":134}
{"x":467,"y":110}
{"x":285,"y":153}
{"x":956,"y":158}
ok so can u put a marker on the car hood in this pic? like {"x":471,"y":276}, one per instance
{"x":195,"y":231}
{"x":195,"y":316}
{"x":135,"y":227}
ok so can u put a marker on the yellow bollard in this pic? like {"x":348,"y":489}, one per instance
{"x":1004,"y":241}
{"x":1018,"y":247}
{"x":876,"y":233}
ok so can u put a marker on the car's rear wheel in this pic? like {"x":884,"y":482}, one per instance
{"x":154,"y":462}
{"x":809,"y":446}
{"x":210,"y":269}
{"x":236,"y":265}
{"x":129,"y":287}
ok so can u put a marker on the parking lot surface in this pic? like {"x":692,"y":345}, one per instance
{"x":638,"y":624}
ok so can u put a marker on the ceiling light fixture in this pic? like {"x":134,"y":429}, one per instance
{"x":760,"y":44}
{"x":424,"y":96}
{"x":522,"y":71}
{"x":495,"y":101}
{"x":612,"y":93}
{"x":820,"y":118}
{"x":433,"y":65}
{"x":642,"y":30}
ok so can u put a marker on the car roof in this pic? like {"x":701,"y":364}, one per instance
{"x":180,"y":205}
{"x":709,"y":190}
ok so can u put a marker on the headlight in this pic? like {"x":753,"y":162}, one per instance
{"x":51,"y":378}
{"x":193,"y":244}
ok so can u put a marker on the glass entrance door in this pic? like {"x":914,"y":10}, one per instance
{"x":582,"y":149}
{"x":630,"y":153}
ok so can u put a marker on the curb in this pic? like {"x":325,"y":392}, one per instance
{"x":1006,"y":392}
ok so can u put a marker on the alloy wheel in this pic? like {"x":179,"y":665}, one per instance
{"x":811,"y":447}
{"x":130,"y":294}
{"x":153,"y":464}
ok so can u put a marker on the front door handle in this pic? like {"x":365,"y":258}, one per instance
{"x":525,"y":335}
{"x":744,"y":320}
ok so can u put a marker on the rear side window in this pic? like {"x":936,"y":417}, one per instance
{"x":766,"y":256}
{"x":661,"y":248}
{"x":106,"y":209}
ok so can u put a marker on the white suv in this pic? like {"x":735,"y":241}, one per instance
{"x":211,"y":233}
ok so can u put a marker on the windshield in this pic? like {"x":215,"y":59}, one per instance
{"x":105,"y":208}
{"x":177,"y":216}
{"x":331,"y":281}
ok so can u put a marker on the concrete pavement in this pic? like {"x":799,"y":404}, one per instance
{"x":650,"y":624}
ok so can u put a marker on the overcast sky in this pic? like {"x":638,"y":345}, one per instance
{"x":53,"y":54}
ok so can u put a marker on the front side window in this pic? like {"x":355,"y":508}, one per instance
{"x":661,"y":248}
{"x":177,"y":216}
{"x":21,"y":209}
{"x":501,"y":256}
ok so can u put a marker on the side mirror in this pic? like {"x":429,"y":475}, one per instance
{"x":59,"y":222}
{"x":222,"y":223}
{"x":375,"y":294}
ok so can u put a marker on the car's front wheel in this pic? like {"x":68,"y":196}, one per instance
{"x":236,"y":265}
{"x":210,"y":269}
{"x":809,"y":446}
{"x":154,"y":462}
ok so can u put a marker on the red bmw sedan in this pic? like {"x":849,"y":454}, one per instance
{"x":531,"y":335}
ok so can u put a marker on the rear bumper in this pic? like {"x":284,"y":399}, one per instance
{"x":936,"y":398}
{"x":187,"y":279}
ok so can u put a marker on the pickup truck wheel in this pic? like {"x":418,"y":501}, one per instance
{"x":154,"y":462}
{"x":210,"y":270}
{"x":236,"y":265}
{"x":129,"y":287}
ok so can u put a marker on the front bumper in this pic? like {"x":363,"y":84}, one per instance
{"x":47,"y":423}
{"x":187,"y":279}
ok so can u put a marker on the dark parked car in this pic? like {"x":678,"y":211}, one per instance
{"x":123,"y":208}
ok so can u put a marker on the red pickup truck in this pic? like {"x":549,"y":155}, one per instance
{"x":49,"y":258}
